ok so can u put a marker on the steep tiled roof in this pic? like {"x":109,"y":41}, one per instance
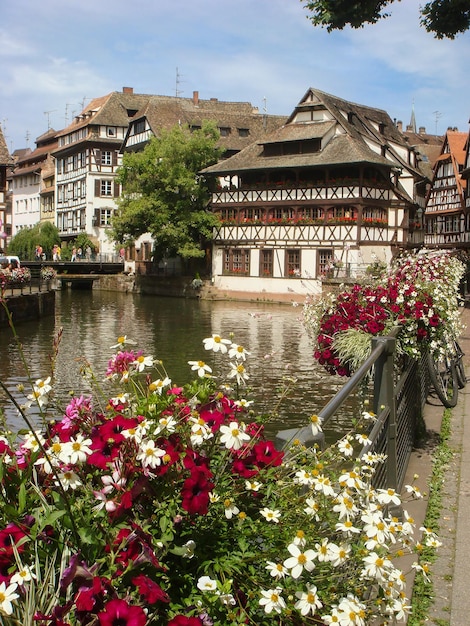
{"x":342,"y":149}
{"x":348,"y":130}
{"x":5,"y":158}
{"x":456,"y":141}
{"x":111,"y":110}
{"x":166,"y":112}
{"x":357,"y":119}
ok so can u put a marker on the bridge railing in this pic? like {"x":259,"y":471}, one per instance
{"x":399,"y":387}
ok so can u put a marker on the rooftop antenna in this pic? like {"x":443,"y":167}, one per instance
{"x":48,"y":113}
{"x":67,"y":113}
{"x":437,"y":116}
{"x":265,"y":112}
{"x":27,"y":136}
{"x":82,"y":102}
{"x":178,"y":81}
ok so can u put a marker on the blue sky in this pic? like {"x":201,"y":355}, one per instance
{"x":57,"y":54}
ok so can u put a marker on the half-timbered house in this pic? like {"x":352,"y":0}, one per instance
{"x":447,"y":223}
{"x":6,"y":163}
{"x":330,"y":192}
{"x":90,"y":152}
{"x":33,"y":184}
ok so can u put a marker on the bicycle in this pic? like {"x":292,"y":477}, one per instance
{"x":447,"y":374}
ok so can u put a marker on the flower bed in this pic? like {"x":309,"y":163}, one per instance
{"x":150,"y":503}
{"x":419,"y":293}
{"x":16,"y":276}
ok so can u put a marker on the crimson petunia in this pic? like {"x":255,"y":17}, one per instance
{"x":195,"y":493}
{"x":119,"y":613}
{"x":149,"y":589}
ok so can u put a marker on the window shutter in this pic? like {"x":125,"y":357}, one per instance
{"x":97,"y":188}
{"x":115,"y":157}
{"x":116,"y":190}
{"x":98,"y":156}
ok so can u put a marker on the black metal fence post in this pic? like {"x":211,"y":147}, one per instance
{"x":385,"y":399}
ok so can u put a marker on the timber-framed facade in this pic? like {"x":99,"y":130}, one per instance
{"x":335,"y":189}
{"x":447,"y":221}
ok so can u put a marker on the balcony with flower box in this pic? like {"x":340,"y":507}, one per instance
{"x":289,"y":192}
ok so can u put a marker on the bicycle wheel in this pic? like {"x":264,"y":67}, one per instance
{"x":443,"y":374}
{"x":460,"y":367}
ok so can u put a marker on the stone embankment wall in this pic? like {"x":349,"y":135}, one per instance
{"x":27,"y":307}
{"x":181,"y":287}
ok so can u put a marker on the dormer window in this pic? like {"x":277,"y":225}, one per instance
{"x":224,"y":131}
{"x":111,"y":131}
{"x":243,"y":132}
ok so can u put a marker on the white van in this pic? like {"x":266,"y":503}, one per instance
{"x":6,"y":259}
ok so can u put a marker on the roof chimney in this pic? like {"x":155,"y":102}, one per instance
{"x":196,"y":98}
{"x":422,"y":130}
{"x":400,"y":125}
{"x":128,"y":90}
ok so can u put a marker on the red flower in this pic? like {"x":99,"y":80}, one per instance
{"x":149,"y":589}
{"x":266,"y":454}
{"x":120,"y":613}
{"x":9,"y":537}
{"x":195,"y":493}
{"x":104,"y":452}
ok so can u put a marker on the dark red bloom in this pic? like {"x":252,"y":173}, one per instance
{"x":266,"y":454}
{"x":149,"y":590}
{"x":88,"y":597}
{"x":120,"y":613}
{"x":195,"y":493}
{"x":9,"y":537}
{"x":104,"y":452}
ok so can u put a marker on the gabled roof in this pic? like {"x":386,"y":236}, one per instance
{"x":341,"y":150}
{"x":347,"y":131}
{"x":5,"y":157}
{"x":167,"y":111}
{"x":453,"y":151}
{"x":114,"y":109}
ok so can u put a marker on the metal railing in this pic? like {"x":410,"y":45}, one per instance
{"x":400,"y":387}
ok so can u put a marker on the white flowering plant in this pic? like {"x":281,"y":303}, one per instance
{"x":152,"y":503}
{"x":419,"y":293}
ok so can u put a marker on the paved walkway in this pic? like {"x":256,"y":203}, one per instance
{"x":450,"y":572}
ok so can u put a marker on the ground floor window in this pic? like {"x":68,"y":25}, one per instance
{"x":325,"y":261}
{"x":293,"y":263}
{"x":236,"y":261}
{"x":266,"y":263}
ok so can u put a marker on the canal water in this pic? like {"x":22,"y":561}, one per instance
{"x":172,"y":330}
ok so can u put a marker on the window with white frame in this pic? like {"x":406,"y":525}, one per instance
{"x":106,"y":157}
{"x":106,"y":188}
{"x":106,"y":213}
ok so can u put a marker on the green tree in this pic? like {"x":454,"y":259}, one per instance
{"x":164,"y":194}
{"x":24,"y":243}
{"x":444,"y":18}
